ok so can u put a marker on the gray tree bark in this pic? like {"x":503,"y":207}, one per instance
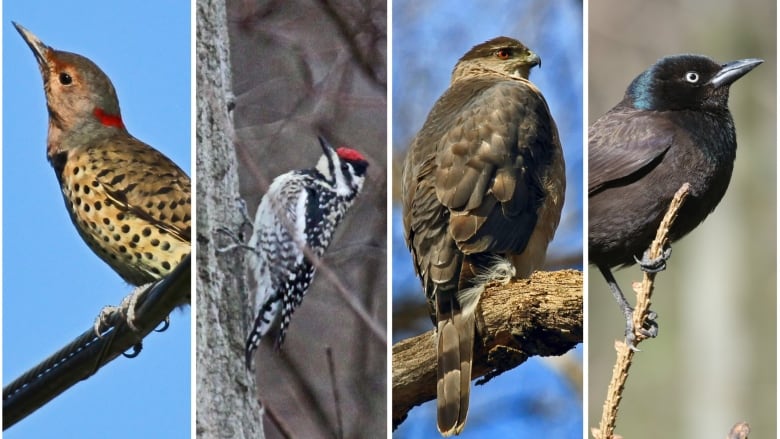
{"x":226,"y":403}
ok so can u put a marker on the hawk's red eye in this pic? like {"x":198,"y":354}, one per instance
{"x":503,"y":53}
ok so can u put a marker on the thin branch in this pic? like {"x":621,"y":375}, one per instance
{"x":281,"y":426}
{"x":740,"y":430}
{"x":537,"y":316}
{"x":336,"y":398}
{"x":625,"y":354}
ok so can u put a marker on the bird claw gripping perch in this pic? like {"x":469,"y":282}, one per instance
{"x":126,"y":309}
{"x":238,"y":241}
{"x":654,"y":265}
{"x":649,"y":329}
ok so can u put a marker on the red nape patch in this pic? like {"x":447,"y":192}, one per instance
{"x":108,"y":120}
{"x":349,"y":154}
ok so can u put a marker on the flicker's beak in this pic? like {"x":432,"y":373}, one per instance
{"x":39,"y":49}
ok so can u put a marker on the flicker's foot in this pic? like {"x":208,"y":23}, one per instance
{"x":165,"y":325}
{"x":130,"y":302}
{"x":102,"y":321}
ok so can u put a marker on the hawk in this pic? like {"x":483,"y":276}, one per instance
{"x":483,"y":188}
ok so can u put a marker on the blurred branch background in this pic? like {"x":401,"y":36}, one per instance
{"x":714,"y":361}
{"x":542,"y":398}
{"x":303,"y":68}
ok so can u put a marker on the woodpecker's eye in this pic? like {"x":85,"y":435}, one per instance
{"x":692,"y":77}
{"x":344,"y":167}
{"x":503,"y":53}
{"x":65,"y":79}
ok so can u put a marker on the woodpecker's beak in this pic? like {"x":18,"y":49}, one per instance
{"x":39,"y":49}
{"x":734,"y":70}
{"x":327,"y":148}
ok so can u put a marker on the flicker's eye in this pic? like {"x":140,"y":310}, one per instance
{"x":65,"y":79}
{"x":503,"y":53}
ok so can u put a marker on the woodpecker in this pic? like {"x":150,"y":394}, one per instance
{"x":483,"y":189}
{"x":129,"y":202}
{"x":298,"y":214}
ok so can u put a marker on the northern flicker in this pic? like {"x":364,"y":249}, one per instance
{"x":483,"y":189}
{"x":129,"y":202}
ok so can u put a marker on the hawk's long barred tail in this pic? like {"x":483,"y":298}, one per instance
{"x":300,"y":210}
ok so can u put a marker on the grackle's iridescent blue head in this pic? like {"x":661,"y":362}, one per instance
{"x":686,"y":82}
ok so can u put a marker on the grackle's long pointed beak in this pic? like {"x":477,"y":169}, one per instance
{"x":734,"y":70}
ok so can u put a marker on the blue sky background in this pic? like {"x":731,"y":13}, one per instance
{"x":53,"y":286}
{"x":533,"y":400}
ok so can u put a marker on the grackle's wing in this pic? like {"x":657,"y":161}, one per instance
{"x":624,"y":144}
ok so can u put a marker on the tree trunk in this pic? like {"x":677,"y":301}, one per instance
{"x":226,"y":403}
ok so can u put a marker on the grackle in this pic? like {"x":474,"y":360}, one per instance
{"x":672,"y":126}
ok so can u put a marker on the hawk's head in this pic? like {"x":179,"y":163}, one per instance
{"x":502,"y":55}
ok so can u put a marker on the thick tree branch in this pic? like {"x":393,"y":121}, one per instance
{"x":537,"y":316}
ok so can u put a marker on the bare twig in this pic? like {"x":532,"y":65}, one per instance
{"x":277,"y":421}
{"x":740,"y":430}
{"x":625,"y":354}
{"x":336,"y":399}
